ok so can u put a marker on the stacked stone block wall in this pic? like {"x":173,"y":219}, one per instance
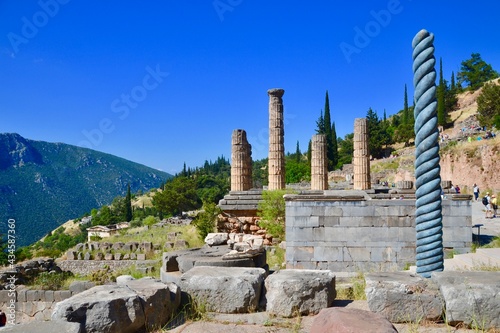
{"x":86,"y":267}
{"x":351,"y":233}
{"x":32,"y":304}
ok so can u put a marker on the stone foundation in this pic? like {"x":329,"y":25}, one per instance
{"x":348,"y":231}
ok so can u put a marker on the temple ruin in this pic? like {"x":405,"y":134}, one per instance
{"x":241,"y":162}
{"x":361,"y":158}
{"x":276,"y":165}
{"x":362,"y":226}
{"x":319,"y":170}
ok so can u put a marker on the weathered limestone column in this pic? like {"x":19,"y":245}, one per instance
{"x":361,"y":160}
{"x":241,"y":161}
{"x":319,"y":170}
{"x":276,"y":163}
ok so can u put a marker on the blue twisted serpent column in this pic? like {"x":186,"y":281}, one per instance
{"x":428,"y":215}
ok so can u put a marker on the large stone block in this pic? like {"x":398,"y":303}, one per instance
{"x":156,"y":301}
{"x":224,"y":289}
{"x":401,"y":297}
{"x":359,"y":211}
{"x":299,"y":234}
{"x":327,"y":253}
{"x":104,"y":309}
{"x":471,"y":298}
{"x":356,"y":254}
{"x":334,"y":211}
{"x":79,"y":286}
{"x":293,"y":292}
{"x":302,"y":253}
{"x":328,"y":221}
{"x":382,"y":254}
{"x":216,"y":238}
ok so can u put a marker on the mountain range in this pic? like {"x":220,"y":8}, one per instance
{"x":42,"y":184}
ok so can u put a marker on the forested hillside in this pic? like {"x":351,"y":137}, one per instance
{"x":42,"y":185}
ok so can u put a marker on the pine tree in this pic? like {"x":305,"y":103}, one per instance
{"x":441,"y":91}
{"x":128,"y":205}
{"x":374,"y":134}
{"x":475,"y":72}
{"x":320,"y":124}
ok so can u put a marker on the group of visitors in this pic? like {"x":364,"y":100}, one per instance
{"x":489,"y":202}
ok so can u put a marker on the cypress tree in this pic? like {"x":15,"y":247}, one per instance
{"x":328,"y":133}
{"x":326,"y":118}
{"x":406,"y":112}
{"x":453,"y":86}
{"x":297,"y":152}
{"x":335,"y":147}
{"x":128,"y":205}
{"x":309,"y":151}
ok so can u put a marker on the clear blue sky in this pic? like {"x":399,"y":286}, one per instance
{"x":70,"y":68}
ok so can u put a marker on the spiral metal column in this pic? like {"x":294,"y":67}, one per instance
{"x":428,"y":215}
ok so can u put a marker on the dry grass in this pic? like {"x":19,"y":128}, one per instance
{"x":189,"y":233}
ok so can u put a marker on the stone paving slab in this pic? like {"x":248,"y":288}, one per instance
{"x":261,"y":322}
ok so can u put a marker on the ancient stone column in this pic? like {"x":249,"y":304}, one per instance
{"x":241,"y":161}
{"x":276,"y":164}
{"x":319,"y":170}
{"x":361,"y":160}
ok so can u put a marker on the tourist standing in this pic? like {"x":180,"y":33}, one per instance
{"x":487,"y":204}
{"x":476,"y":191}
{"x":494,"y":204}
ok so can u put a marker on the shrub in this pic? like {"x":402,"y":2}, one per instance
{"x":272,"y":212}
{"x":150,"y":220}
{"x":50,"y":280}
{"x":206,"y":221}
{"x":137,"y":222}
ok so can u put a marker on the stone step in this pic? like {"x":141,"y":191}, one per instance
{"x":467,"y":261}
{"x":491,"y":253}
{"x":477,"y":260}
{"x":454,"y":265}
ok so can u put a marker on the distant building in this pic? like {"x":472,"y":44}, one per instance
{"x":106,"y":231}
{"x":86,"y":220}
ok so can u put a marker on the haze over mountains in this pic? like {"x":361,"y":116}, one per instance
{"x":43,"y":184}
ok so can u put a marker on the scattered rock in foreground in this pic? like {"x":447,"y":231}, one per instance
{"x":341,"y":320}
